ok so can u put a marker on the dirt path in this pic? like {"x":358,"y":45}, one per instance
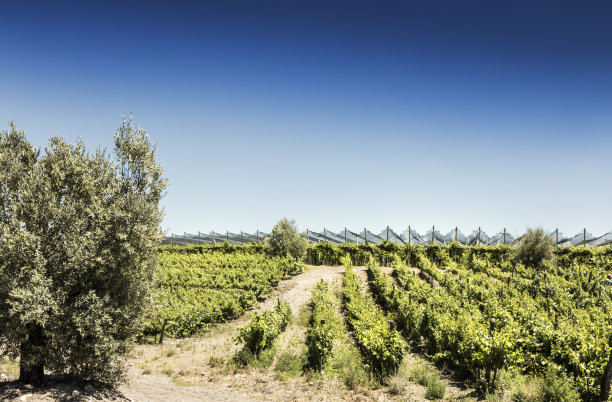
{"x":154,"y":387}
{"x":299,"y":287}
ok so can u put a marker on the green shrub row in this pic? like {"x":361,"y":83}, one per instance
{"x":380,"y":345}
{"x":323,"y":328}
{"x":265,"y":327}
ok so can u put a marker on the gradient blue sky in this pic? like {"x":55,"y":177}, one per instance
{"x":358,"y":114}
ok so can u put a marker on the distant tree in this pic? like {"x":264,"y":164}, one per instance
{"x":78,"y":240}
{"x":285,"y":240}
{"x":534,"y":248}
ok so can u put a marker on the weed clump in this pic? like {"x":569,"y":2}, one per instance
{"x":428,"y":377}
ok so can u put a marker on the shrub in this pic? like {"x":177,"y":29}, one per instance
{"x":285,"y":240}
{"x":397,"y":384}
{"x":289,"y":365}
{"x":534,"y":248}
{"x":347,"y":362}
{"x":557,"y":387}
{"x":427,"y":376}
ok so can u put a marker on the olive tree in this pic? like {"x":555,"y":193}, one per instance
{"x":78,"y":242}
{"x":534,"y":247}
{"x":285,"y":240}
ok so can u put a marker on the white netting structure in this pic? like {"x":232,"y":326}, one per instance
{"x":408,"y":236}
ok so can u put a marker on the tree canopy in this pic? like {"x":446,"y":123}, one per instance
{"x":285,"y":240}
{"x":78,"y":239}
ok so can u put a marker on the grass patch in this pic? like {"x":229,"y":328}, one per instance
{"x":181,"y":382}
{"x":186,"y":346}
{"x":303,"y":316}
{"x":427,"y":376}
{"x":170,"y":352}
{"x":551,"y":386}
{"x":216,"y":361}
{"x":289,"y":365}
{"x":397,"y":385}
{"x":167,"y":370}
{"x":347,"y":364}
{"x":144,"y":368}
{"x":9,"y":367}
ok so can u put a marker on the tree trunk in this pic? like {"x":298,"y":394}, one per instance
{"x":31,"y":362}
{"x":161,"y":336}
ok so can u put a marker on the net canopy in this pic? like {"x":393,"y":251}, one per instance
{"x":408,"y":236}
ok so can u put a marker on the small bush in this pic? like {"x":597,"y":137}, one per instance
{"x":289,"y":365}
{"x":557,"y":387}
{"x":435,"y":389}
{"x":346,"y":361}
{"x":427,"y":376}
{"x":534,"y":248}
{"x":397,"y":384}
{"x":216,"y":361}
{"x":244,"y":357}
{"x":265,"y":358}
{"x":551,"y":386}
{"x":285,"y":240}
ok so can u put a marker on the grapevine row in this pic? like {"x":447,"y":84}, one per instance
{"x":380,"y":345}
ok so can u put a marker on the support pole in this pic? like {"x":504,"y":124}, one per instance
{"x":433,"y":229}
{"x":409,"y":234}
{"x":213,"y":236}
{"x":345,"y":234}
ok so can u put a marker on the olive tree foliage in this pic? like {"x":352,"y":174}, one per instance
{"x":534,"y":248}
{"x":78,"y":248}
{"x":285,"y":240}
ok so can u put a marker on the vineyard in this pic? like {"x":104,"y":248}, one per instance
{"x":475,"y":310}
{"x":198,"y":289}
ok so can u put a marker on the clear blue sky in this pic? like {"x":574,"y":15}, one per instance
{"x":358,"y":114}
